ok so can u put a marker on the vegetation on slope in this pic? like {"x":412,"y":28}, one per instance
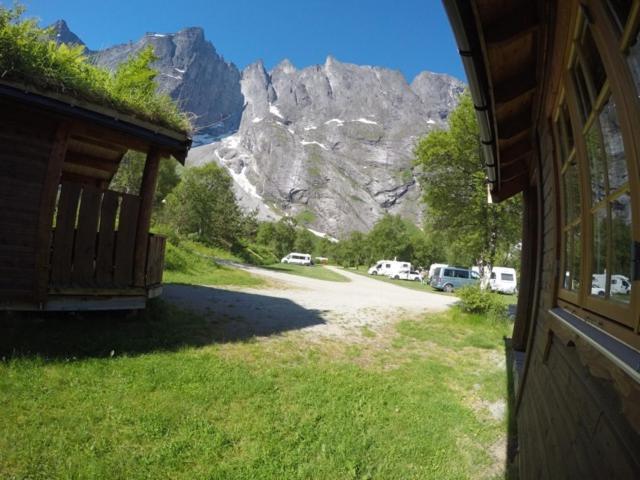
{"x":29,"y":56}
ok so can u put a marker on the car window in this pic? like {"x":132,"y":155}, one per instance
{"x":462,"y":274}
{"x":614,"y":281}
{"x":436,"y":272}
{"x":387,"y":265}
{"x":474,"y":275}
{"x":493,"y":275}
{"x":448,"y":273}
{"x":507,"y":276}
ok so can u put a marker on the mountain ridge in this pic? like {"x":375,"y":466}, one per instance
{"x":331,"y":144}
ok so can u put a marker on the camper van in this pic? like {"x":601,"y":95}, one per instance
{"x":297,"y":258}
{"x":620,"y":284}
{"x":388,"y":267}
{"x":503,"y":280}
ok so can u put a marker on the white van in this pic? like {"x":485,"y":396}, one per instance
{"x":620,"y":284}
{"x":297,"y":258}
{"x":503,"y":280}
{"x":388,"y":267}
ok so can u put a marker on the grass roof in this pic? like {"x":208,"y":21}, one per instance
{"x":29,"y":56}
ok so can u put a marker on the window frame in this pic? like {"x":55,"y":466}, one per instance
{"x":615,"y":317}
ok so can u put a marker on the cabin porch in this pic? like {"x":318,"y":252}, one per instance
{"x":68,"y":241}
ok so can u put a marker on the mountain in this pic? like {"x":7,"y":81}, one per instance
{"x":192,"y":73}
{"x":330,"y":144}
{"x":62,"y":34}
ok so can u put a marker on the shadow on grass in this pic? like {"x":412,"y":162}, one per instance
{"x":511,"y":467}
{"x":186,"y":316}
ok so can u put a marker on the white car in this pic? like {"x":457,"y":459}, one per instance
{"x":297,"y":259}
{"x":408,"y":275}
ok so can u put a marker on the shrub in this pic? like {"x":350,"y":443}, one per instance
{"x":475,"y":300}
{"x":175,"y":259}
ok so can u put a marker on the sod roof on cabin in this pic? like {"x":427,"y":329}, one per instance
{"x":29,"y":58}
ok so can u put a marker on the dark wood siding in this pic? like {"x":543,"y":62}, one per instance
{"x":25,"y":147}
{"x":576,"y":410}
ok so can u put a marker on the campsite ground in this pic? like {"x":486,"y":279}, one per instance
{"x":292,"y":377}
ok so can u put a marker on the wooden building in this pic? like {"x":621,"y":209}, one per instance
{"x":66,"y":241}
{"x":556,"y":87}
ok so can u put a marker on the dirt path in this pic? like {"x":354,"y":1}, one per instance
{"x":318,"y":307}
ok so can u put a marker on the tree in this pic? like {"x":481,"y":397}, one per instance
{"x":128,"y":177}
{"x":203,"y":205}
{"x":305,"y":241}
{"x":455,"y":193}
{"x":389,"y":239}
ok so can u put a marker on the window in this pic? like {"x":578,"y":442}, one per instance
{"x":597,"y":166}
{"x":507,"y":277}
{"x":448,"y":273}
{"x":462,"y":273}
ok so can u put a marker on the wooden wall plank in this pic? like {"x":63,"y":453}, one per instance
{"x":125,"y":240}
{"x":106,"y":239}
{"x":86,"y":236}
{"x":147,"y":192}
{"x":64,"y":234}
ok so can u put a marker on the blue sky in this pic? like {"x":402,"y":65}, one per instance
{"x":408,"y":35}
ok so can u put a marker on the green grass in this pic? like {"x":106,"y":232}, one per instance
{"x":193,"y":263}
{"x":172,"y":402}
{"x":315,"y":271}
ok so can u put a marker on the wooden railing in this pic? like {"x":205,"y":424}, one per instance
{"x":94,"y":240}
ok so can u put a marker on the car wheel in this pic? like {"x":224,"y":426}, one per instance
{"x":374,"y":273}
{"x":396,"y":277}
{"x":416,"y":279}
{"x":448,"y":288}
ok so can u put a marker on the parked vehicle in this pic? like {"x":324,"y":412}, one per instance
{"x":620,"y":284}
{"x":503,"y":280}
{"x":432,"y":269}
{"x":407,"y":274}
{"x":450,"y":278}
{"x":388,"y":267}
{"x":297,"y":259}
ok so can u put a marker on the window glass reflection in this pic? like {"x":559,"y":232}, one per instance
{"x":571,"y":192}
{"x":633,"y":59}
{"x":597,"y":167}
{"x":613,"y":146}
{"x":599,"y":259}
{"x":621,"y":249}
{"x":572,"y":259}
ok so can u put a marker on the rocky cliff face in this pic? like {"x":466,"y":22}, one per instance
{"x":330,"y":144}
{"x":192,"y":73}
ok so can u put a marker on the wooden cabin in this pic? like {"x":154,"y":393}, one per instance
{"x":556,"y":88}
{"x":67,"y":242}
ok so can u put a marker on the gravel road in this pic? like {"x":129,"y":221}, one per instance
{"x":318,"y":307}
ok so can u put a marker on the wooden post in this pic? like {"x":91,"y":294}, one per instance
{"x":147,"y":192}
{"x":47,"y":206}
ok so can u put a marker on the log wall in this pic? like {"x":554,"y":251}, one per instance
{"x":25,"y":148}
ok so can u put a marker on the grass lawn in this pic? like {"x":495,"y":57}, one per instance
{"x":155,"y":395}
{"x":314,"y":271}
{"x":193,"y":263}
